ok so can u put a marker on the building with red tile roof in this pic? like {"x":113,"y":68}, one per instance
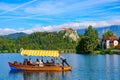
{"x":107,"y":41}
{"x":111,"y":38}
{"x":65,"y":29}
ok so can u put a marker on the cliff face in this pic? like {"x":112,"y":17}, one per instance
{"x":71,"y":34}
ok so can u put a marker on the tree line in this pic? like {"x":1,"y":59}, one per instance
{"x":38,"y":40}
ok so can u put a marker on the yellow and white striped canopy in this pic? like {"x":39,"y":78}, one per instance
{"x":44,"y":53}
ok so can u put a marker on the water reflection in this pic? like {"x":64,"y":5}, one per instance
{"x":37,"y":75}
{"x":112,"y":67}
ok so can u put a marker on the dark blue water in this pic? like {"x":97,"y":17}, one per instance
{"x":84,"y":67}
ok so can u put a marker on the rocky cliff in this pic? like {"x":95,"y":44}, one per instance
{"x":69,"y":32}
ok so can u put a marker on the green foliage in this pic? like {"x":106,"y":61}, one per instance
{"x":109,"y":51}
{"x":7,"y":45}
{"x":89,"y":42}
{"x":93,"y":36}
{"x":85,"y":45}
{"x":111,"y":45}
{"x":119,"y":40}
{"x":102,"y":52}
{"x":38,"y":40}
{"x":108,"y":34}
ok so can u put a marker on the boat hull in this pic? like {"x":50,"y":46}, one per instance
{"x":37,"y":68}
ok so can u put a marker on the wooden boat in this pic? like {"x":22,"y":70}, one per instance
{"x":46,"y":67}
{"x":37,"y":68}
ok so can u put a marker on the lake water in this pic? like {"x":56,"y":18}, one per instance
{"x":84,"y":67}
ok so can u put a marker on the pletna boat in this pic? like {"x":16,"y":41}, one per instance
{"x":63,"y":66}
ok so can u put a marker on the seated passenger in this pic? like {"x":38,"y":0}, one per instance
{"x":39,"y":63}
{"x":52,"y":61}
{"x":30,"y":62}
{"x":47,"y":62}
{"x":25,"y":61}
{"x":42,"y":61}
{"x":16,"y":63}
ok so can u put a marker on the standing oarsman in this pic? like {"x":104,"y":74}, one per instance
{"x":64,"y":61}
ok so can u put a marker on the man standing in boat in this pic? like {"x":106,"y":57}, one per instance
{"x":64,"y":61}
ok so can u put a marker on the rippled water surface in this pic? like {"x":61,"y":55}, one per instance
{"x":84,"y":67}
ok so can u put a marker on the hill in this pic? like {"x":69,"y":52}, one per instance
{"x":41,"y":40}
{"x":15,"y":35}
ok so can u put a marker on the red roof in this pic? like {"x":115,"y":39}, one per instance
{"x":65,"y":29}
{"x":111,"y":38}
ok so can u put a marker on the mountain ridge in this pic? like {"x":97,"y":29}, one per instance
{"x":114,"y":28}
{"x":15,"y":35}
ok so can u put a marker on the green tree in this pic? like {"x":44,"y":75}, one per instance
{"x":89,"y":42}
{"x":85,"y":45}
{"x":119,"y":40}
{"x":108,"y":34}
{"x":93,"y":35}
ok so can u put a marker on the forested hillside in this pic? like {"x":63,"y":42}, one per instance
{"x":39,"y":40}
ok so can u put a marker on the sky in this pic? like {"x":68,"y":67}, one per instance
{"x":51,"y":15}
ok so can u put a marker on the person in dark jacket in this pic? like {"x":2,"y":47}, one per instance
{"x":64,"y":61}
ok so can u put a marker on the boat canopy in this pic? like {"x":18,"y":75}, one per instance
{"x":44,"y":53}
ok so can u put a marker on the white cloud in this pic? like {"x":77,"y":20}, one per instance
{"x":51,"y":28}
{"x":81,"y":25}
{"x":46,"y":7}
{"x":114,"y":22}
{"x":65,"y":9}
{"x":9,"y":8}
{"x":7,"y":31}
{"x":5,"y":6}
{"x":64,"y":6}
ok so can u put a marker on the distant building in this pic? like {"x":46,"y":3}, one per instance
{"x":108,"y":42}
{"x":65,"y":29}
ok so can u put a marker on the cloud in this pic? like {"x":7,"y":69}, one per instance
{"x":6,"y":7}
{"x":62,"y":10}
{"x":9,"y":9}
{"x":114,"y":22}
{"x":51,"y":28}
{"x":32,"y":17}
{"x":7,"y":31}
{"x":64,"y":6}
{"x":95,"y":24}
{"x":72,"y":8}
{"x":46,"y":8}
